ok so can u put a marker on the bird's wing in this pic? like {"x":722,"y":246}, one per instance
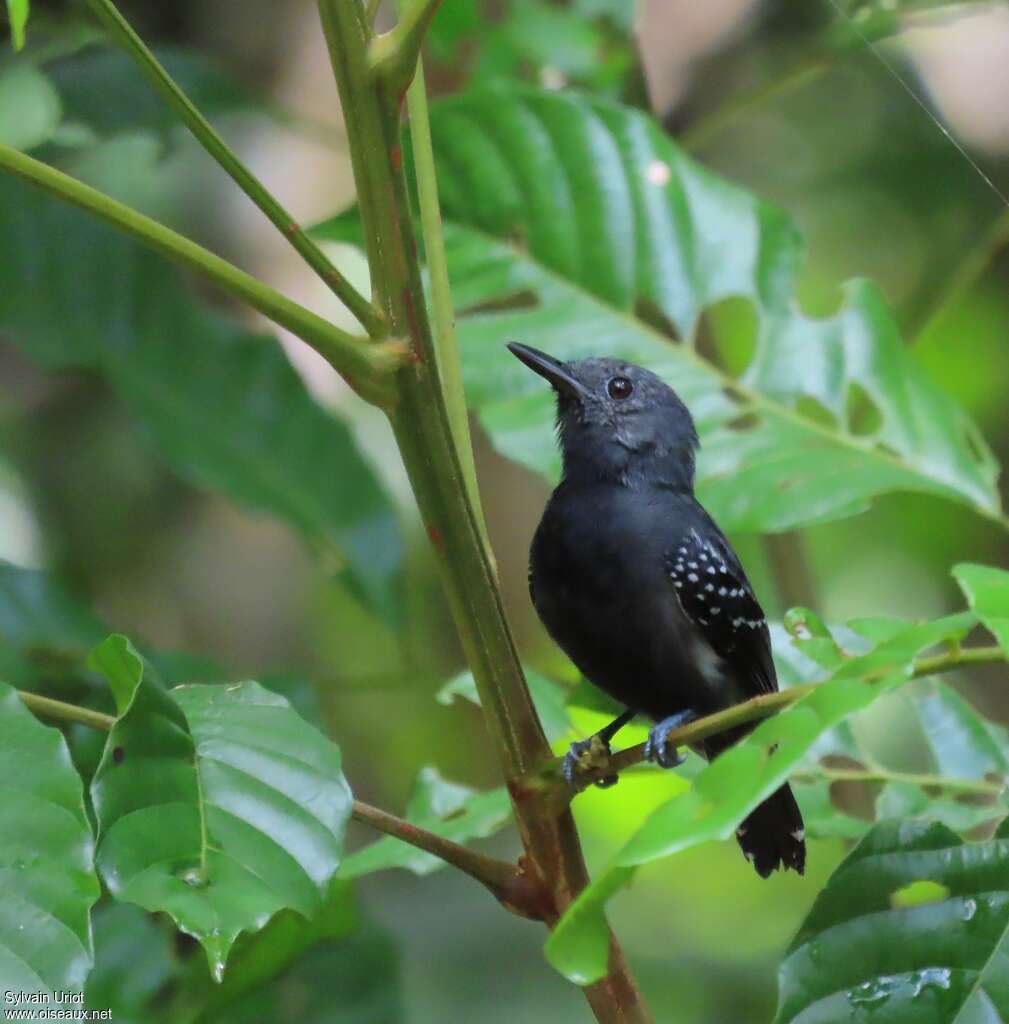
{"x":716,"y":596}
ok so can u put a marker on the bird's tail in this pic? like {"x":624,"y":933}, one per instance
{"x":773,"y":836}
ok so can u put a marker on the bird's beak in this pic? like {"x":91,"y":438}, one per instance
{"x":553,"y":370}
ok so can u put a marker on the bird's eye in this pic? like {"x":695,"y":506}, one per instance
{"x":619,"y":388}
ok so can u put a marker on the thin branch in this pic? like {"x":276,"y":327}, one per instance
{"x":751,"y":711}
{"x":699,"y":134}
{"x":966,"y":275}
{"x":46,"y":707}
{"x":368,"y":367}
{"x":445,"y":343}
{"x":978,"y":786}
{"x":212,"y":142}
{"x":507,"y":882}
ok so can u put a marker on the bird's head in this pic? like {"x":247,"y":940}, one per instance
{"x":617,"y":421}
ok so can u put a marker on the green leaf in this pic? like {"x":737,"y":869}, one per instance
{"x":17,"y":13}
{"x":117,"y":660}
{"x":579,"y":226}
{"x":260,"y":958}
{"x":30,"y":110}
{"x":866,"y":954}
{"x":47,"y":878}
{"x":960,"y":741}
{"x":987,"y":592}
{"x":351,"y":980}
{"x":549,"y":697}
{"x":728,"y":788}
{"x":446,"y":808}
{"x":88,"y":78}
{"x":220,"y":806}
{"x":223,"y":405}
{"x":133,"y":960}
{"x":37,"y":613}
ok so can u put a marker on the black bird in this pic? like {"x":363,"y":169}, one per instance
{"x":638,"y":585}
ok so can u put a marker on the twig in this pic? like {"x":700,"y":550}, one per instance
{"x":212,"y":142}
{"x":967,"y":274}
{"x":508,"y":883}
{"x":369,"y":367}
{"x":699,"y":134}
{"x":914,"y":778}
{"x":750,"y":711}
{"x":47,"y":707}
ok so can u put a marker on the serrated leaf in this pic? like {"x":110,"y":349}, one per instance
{"x":864,"y":955}
{"x":220,"y":806}
{"x":577,"y":224}
{"x":224,"y":405}
{"x":47,"y":877}
{"x":728,"y":788}
{"x":446,"y":808}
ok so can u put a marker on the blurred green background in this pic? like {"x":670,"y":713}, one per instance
{"x":830,"y":129}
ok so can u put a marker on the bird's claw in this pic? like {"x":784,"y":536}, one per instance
{"x":656,"y":747}
{"x":585,"y":756}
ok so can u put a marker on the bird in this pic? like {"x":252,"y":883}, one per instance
{"x":636,"y":583}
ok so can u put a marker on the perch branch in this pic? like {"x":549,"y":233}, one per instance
{"x":755,"y":709}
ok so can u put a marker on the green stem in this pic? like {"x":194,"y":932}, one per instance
{"x":967,"y":274}
{"x":914,"y":778}
{"x":368,"y":367}
{"x":762,"y":707}
{"x":504,"y":880}
{"x":699,"y":134}
{"x":445,"y":343}
{"x":212,"y":142}
{"x":393,"y":56}
{"x":370,"y":99}
{"x":46,"y":707}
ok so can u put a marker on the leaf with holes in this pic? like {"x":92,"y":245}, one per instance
{"x":879,"y":947}
{"x":217,"y":805}
{"x":446,"y":808}
{"x":578,"y":226}
{"x":47,"y":877}
{"x":728,"y":788}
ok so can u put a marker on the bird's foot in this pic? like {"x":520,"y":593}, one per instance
{"x":585,"y":756}
{"x":656,"y":748}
